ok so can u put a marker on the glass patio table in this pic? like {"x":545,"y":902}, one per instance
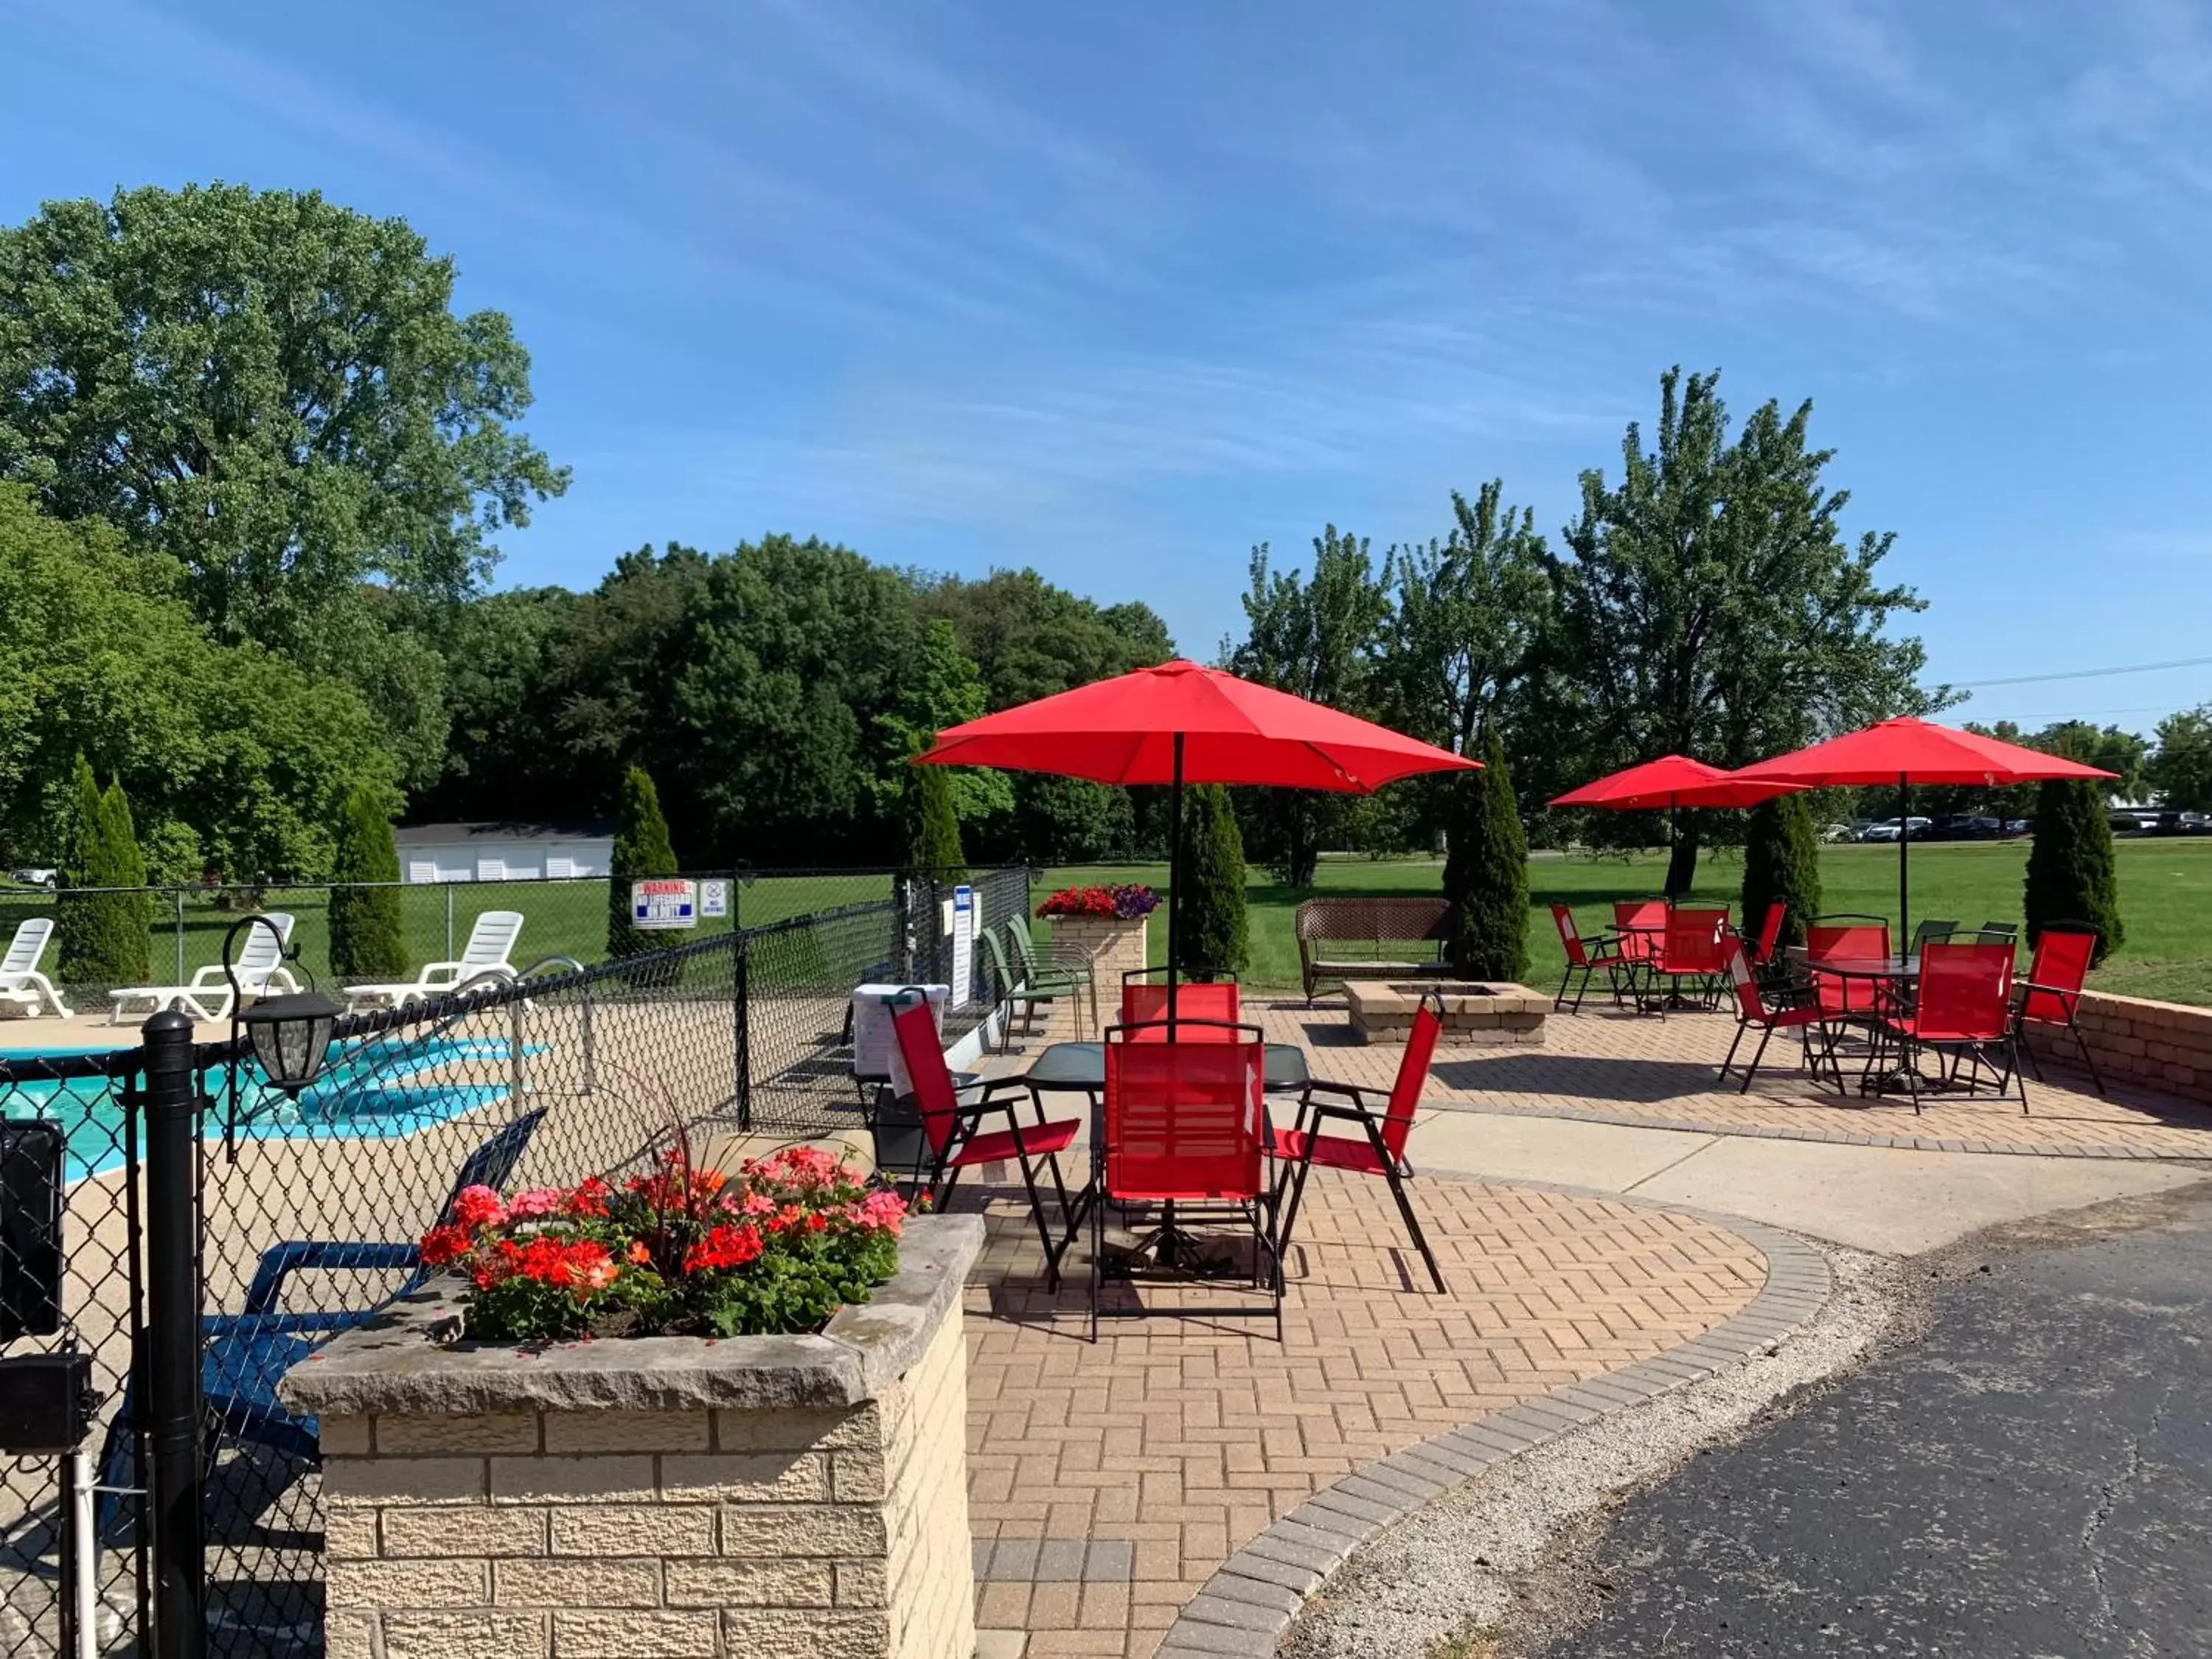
{"x":1892,"y":978}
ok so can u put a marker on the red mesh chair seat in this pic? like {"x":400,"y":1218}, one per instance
{"x":1005,"y":1145}
{"x":1374,"y":1146}
{"x":1690,"y":949}
{"x":1964,"y":1002}
{"x":1184,"y":1123}
{"x":2052,"y":996}
{"x":952,"y":1141}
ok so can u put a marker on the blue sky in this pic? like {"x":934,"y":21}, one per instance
{"x":1119,"y":291}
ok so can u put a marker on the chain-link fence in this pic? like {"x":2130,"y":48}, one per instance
{"x":562,"y":916}
{"x":70,"y":1283}
{"x":306,"y":1209}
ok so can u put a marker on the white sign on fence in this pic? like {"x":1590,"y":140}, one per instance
{"x":664,"y":901}
{"x":713,"y":898}
{"x":964,"y":942}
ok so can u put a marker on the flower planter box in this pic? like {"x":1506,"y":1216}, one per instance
{"x":663,"y":1496}
{"x":1108,"y":944}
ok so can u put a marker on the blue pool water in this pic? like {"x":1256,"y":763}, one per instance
{"x":366,"y":1091}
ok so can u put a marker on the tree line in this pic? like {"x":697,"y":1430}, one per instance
{"x":254,"y":467}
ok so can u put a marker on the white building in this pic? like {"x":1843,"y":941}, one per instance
{"x":503,"y":852}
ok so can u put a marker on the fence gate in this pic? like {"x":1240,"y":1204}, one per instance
{"x":74,"y":1569}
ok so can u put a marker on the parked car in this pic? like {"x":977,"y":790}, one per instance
{"x":2019,"y":826}
{"x":2184,"y":824}
{"x":35,"y":876}
{"x":1839,"y":832}
{"x":1965,"y":826}
{"x":1888,"y":829}
{"x":2132,"y":820}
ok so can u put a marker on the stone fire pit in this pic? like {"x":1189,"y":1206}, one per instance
{"x":1500,"y":1015}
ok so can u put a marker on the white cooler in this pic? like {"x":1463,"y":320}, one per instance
{"x":875,"y":1045}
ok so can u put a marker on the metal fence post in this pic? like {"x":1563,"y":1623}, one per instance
{"x":449,"y":922}
{"x":171,"y":1101}
{"x":741,"y":1034}
{"x":180,"y":936}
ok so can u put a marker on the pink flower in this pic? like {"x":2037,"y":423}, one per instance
{"x":886,"y":1210}
{"x":535,"y":1202}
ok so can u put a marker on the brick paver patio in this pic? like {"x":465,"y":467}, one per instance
{"x":1614,"y":1067}
{"x":1107,"y":1482}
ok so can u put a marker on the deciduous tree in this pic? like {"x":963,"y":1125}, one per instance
{"x":275,"y":393}
{"x":1316,"y":638}
{"x":1709,"y":603}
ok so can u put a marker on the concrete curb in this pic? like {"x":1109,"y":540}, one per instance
{"x":1836,"y":1136}
{"x":1248,"y":1603}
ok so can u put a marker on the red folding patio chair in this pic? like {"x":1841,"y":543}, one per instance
{"x":1184,"y":1126}
{"x":1753,"y":1011}
{"x":1216,"y":1003}
{"x":1769,"y":937}
{"x":2051,"y":994}
{"x":1846,"y":938}
{"x":953,"y":1139}
{"x":1690,"y":949}
{"x":1586,"y":956}
{"x":1378,"y":1146}
{"x":1962,"y":1005}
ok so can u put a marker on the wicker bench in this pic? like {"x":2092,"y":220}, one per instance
{"x":1343,"y":938}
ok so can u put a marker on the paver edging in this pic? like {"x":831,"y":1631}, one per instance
{"x":1204,"y":1629}
{"x":1831,"y":1137}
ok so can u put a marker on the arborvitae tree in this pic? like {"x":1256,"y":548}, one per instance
{"x":1486,"y":874}
{"x":104,"y":936}
{"x":1781,"y":865}
{"x":2071,"y":875}
{"x":641,"y":850}
{"x":366,"y":941}
{"x":1209,"y":903}
{"x":933,"y":828}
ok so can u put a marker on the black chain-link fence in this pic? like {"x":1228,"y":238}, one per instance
{"x":308,"y":1208}
{"x":69,"y":1282}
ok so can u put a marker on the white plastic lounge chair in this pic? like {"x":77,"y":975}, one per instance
{"x":491,"y":942}
{"x":259,"y":967}
{"x":20,"y":981}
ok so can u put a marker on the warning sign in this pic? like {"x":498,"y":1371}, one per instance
{"x":664,"y":901}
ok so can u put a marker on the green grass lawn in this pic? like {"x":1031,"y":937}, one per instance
{"x":2166,"y":898}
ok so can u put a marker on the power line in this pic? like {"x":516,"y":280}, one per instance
{"x":2089,"y":673}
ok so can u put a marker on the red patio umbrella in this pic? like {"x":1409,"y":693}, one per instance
{"x":1672,"y":782}
{"x":1905,"y":752}
{"x":1180,"y":723}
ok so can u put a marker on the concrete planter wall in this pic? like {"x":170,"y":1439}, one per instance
{"x":666,"y":1497}
{"x":1108,"y":944}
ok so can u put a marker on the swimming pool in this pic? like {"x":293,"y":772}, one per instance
{"x":370,"y":1089}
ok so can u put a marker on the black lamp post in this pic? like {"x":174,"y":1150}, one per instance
{"x":289,"y":1034}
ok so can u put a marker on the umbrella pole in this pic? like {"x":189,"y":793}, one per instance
{"x":1904,"y":859}
{"x":1174,"y":878}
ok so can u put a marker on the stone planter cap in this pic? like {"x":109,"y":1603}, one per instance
{"x":408,"y":1359}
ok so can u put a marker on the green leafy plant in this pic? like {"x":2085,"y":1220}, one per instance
{"x":103,"y":937}
{"x":933,"y":826}
{"x":2070,"y":873}
{"x":1486,"y":874}
{"x":1781,"y":865}
{"x":640,"y":852}
{"x":679,"y":1250}
{"x":366,"y":941}
{"x":1210,"y":919}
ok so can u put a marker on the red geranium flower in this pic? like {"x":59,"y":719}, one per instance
{"x":723,"y":1246}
